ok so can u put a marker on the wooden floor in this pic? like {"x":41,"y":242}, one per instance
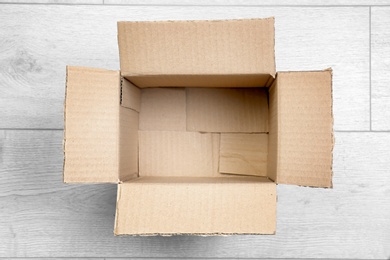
{"x":42,"y":217}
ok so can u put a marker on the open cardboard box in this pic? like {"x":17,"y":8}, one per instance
{"x":197,"y":128}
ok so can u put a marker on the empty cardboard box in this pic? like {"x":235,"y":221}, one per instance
{"x":197,"y":128}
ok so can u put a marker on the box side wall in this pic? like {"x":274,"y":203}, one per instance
{"x":201,"y":80}
{"x":130,"y":95}
{"x":219,"y":207}
{"x":244,"y":154}
{"x":242,"y":110}
{"x":163,"y":109}
{"x":128,"y":144}
{"x":172,"y":153}
{"x":91,"y":125}
{"x":272,"y":164}
{"x":128,"y":130}
{"x":197,"y":47}
{"x":305,"y":128}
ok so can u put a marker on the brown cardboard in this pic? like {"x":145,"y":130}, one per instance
{"x":163,"y":109}
{"x":130,"y":95}
{"x":196,"y":48}
{"x":207,"y":81}
{"x":91,"y":125}
{"x":100,"y":137}
{"x":304,"y":128}
{"x":195,"y":110}
{"x":128,"y":144}
{"x":204,"y":206}
{"x":171,"y":153}
{"x":244,"y":154}
{"x":128,"y":130}
{"x":241,"y":110}
{"x":273,"y":131}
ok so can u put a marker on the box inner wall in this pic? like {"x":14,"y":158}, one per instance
{"x":202,"y":132}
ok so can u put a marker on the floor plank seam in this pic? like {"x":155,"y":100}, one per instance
{"x":198,"y":5}
{"x":369,"y":67}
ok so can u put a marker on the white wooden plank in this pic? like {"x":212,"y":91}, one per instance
{"x":380,"y":65}
{"x":330,"y":38}
{"x":214,"y":2}
{"x":212,"y":258}
{"x":53,"y":1}
{"x":39,"y":41}
{"x":252,"y":2}
{"x":69,"y":258}
{"x":42,"y":217}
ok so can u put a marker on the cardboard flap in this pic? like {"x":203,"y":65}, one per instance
{"x":91,"y":125}
{"x":196,"y":48}
{"x":204,"y":206}
{"x":304,"y":136}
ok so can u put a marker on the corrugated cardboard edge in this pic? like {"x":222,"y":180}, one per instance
{"x":203,"y":20}
{"x":332,"y":133}
{"x":273,"y":75}
{"x":64,"y":133}
{"x":118,"y":197}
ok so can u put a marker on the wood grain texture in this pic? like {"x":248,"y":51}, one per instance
{"x":38,"y":41}
{"x":77,"y":2}
{"x":251,"y":2}
{"x":42,"y":217}
{"x":213,"y":2}
{"x":380,"y":65}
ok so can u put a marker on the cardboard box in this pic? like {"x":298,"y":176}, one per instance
{"x":197,"y":128}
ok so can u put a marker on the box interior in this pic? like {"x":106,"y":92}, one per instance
{"x":195,"y":131}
